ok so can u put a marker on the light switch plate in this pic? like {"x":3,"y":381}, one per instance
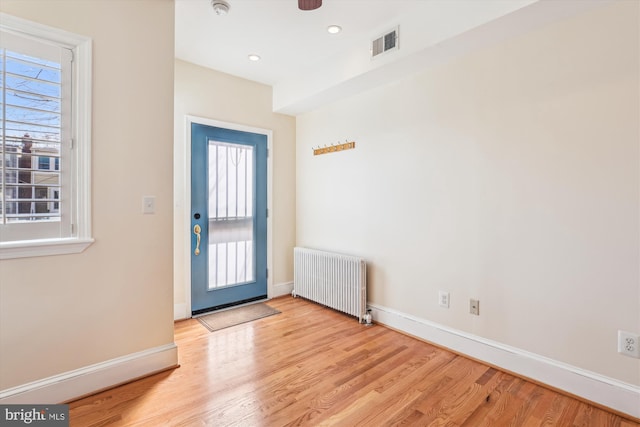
{"x":148,"y":204}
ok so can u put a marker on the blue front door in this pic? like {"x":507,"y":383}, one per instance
{"x":228,"y":217}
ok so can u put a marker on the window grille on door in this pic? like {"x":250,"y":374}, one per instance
{"x":231,"y":216}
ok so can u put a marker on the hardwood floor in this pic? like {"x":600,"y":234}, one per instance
{"x":312,"y":366}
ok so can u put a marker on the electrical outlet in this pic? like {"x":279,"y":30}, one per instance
{"x":474,"y":307}
{"x":629,"y":344}
{"x":443,"y":299}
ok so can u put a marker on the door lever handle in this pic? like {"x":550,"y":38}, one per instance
{"x":196,"y":231}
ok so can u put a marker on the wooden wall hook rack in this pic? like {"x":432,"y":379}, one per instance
{"x":334,"y":147}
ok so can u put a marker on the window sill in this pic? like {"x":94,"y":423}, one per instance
{"x":48,"y":247}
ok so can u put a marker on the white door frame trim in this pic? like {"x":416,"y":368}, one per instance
{"x":186,"y":244}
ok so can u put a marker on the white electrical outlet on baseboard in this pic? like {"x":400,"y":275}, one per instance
{"x":443,"y":299}
{"x":629,"y":344}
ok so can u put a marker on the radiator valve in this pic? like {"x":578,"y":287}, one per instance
{"x":367,"y":318}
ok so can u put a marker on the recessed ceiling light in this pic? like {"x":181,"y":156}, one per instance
{"x":254,"y":57}
{"x":334,"y":29}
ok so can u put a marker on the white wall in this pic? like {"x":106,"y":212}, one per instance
{"x":63,"y":313}
{"x":210,"y":94}
{"x":510,"y":175}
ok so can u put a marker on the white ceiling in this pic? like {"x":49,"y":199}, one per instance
{"x":307,"y":66}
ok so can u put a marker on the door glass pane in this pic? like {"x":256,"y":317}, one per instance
{"x":231,"y":225}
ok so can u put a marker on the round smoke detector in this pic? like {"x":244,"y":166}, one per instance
{"x":220,"y":7}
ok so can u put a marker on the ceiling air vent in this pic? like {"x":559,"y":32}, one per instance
{"x":385,"y":43}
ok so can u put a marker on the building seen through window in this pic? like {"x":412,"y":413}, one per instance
{"x":31,"y":129}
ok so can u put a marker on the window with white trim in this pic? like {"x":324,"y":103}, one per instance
{"x":45,"y":149}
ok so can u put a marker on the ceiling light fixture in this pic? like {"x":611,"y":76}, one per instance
{"x":253,"y":57}
{"x":220,"y":7}
{"x":334,"y":29}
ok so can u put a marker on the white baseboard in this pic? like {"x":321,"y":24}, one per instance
{"x":81,"y":382}
{"x":280,"y":289}
{"x":180,"y":311}
{"x":609,"y":392}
